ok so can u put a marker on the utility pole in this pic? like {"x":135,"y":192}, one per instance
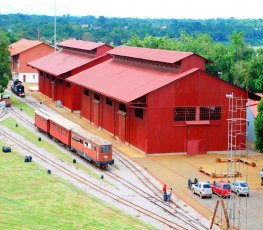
{"x":55,"y":26}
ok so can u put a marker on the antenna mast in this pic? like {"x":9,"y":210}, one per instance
{"x":55,"y":25}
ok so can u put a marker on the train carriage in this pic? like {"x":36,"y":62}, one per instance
{"x":42,"y":120}
{"x":91,"y":147}
{"x":60,"y":129}
{"x":94,"y":149}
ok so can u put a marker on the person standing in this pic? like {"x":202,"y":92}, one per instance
{"x":164,"y":192}
{"x":169,"y":195}
{"x":261,"y":177}
{"x":164,"y":188}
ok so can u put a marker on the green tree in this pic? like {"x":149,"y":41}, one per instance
{"x":259,"y":127}
{"x":5,"y":63}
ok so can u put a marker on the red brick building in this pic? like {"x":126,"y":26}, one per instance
{"x":157,"y":101}
{"x":24,"y":51}
{"x":74,"y":57}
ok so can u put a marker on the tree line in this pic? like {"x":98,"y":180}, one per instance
{"x":116,"y":31}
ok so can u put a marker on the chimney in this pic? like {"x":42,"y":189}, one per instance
{"x":38,"y":34}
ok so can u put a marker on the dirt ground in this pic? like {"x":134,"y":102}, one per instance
{"x":176,"y":170}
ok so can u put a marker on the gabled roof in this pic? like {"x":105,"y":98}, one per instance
{"x":79,"y":44}
{"x":157,"y":55}
{"x":61,"y":62}
{"x":22,"y":45}
{"x":124,"y":82}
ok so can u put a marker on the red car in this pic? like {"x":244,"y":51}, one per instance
{"x":221,"y":188}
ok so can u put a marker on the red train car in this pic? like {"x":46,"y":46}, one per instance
{"x":85,"y":144}
{"x":42,"y":120}
{"x":93,"y":148}
{"x":60,"y":129}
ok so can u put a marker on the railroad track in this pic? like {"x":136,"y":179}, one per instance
{"x":175,"y":210}
{"x":4,"y":111}
{"x":156,"y":198}
{"x":70,"y":171}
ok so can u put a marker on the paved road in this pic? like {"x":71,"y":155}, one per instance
{"x":251,"y":208}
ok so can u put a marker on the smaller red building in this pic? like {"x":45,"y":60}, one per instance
{"x":74,"y":57}
{"x":24,"y":51}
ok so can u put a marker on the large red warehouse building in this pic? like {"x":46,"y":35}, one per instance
{"x":157,"y":101}
{"x":75,"y":56}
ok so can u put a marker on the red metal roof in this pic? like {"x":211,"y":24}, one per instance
{"x":124,"y":82}
{"x":22,"y":45}
{"x":79,"y":44}
{"x":61,"y":62}
{"x":166,"y":56}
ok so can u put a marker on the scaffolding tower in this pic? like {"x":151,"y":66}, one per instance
{"x":237,"y":149}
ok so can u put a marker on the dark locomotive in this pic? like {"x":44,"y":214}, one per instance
{"x":18,"y":88}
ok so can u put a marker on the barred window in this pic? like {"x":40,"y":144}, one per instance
{"x":97,"y":96}
{"x":184,"y":114}
{"x":210,"y":113}
{"x":86,"y":92}
{"x":122,"y":107}
{"x":108,"y":101}
{"x":138,"y":113}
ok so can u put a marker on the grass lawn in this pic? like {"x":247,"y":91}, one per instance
{"x":21,"y":105}
{"x":32,"y":199}
{"x":10,"y":123}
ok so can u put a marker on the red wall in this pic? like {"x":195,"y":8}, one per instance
{"x":85,"y":105}
{"x":41,"y":84}
{"x":108,"y":116}
{"x":31,"y":55}
{"x":192,"y":61}
{"x":165,"y":135}
{"x":103,"y":49}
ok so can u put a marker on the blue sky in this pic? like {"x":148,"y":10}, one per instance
{"x":194,"y":9}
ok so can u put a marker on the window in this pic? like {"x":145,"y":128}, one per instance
{"x":210,"y":113}
{"x":184,"y":114}
{"x":105,"y":148}
{"x":68,"y":84}
{"x":108,"y":101}
{"x":34,"y":77}
{"x":77,"y":139}
{"x":97,"y":96}
{"x":86,"y":92}
{"x":122,"y":107}
{"x":138,"y":113}
{"x":60,"y":81}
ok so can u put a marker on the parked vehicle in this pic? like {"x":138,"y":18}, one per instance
{"x":18,"y":88}
{"x":203,"y":189}
{"x":93,"y":148}
{"x":7,"y":99}
{"x":240,"y":188}
{"x":221,"y":188}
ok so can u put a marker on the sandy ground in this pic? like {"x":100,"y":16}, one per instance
{"x":176,"y":170}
